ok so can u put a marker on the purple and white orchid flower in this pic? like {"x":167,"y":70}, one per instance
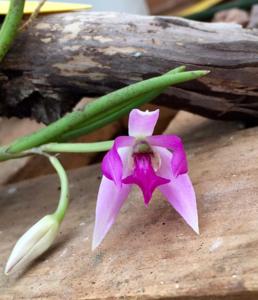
{"x":150,"y":162}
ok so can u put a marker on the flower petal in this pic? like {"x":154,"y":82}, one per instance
{"x":174,"y":143}
{"x":112,"y":166}
{"x":179,"y":192}
{"x":142,"y":123}
{"x":110,"y":200}
{"x":144,"y":176}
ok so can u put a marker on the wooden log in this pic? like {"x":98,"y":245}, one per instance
{"x":64,"y":57}
{"x":150,"y":253}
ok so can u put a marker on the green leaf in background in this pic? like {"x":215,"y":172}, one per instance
{"x":100,"y":112}
{"x":209,"y":13}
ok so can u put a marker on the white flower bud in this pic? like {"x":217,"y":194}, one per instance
{"x":33,"y":243}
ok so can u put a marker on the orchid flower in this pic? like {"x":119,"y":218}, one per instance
{"x":150,"y":162}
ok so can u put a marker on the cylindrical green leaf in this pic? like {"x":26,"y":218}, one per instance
{"x":103,"y":104}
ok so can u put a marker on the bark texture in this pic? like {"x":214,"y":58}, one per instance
{"x":64,"y":57}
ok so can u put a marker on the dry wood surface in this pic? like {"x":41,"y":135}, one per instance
{"x":150,"y":253}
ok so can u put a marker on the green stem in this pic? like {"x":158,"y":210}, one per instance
{"x":77,"y":147}
{"x":10,"y":26}
{"x":6,"y":156}
{"x":64,"y":194}
{"x":96,"y":108}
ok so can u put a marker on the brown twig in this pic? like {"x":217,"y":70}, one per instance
{"x":33,"y":16}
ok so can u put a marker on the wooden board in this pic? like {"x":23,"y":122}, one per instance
{"x":150,"y":253}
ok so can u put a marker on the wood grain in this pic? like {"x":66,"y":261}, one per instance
{"x":64,"y":57}
{"x":150,"y":253}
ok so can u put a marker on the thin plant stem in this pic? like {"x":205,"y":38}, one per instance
{"x":77,"y":147}
{"x":64,"y":193}
{"x":33,"y":16}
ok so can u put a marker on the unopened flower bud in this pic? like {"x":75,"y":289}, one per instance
{"x":33,"y":243}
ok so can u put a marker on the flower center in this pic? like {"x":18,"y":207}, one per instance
{"x":142,"y":147}
{"x":145,"y":162}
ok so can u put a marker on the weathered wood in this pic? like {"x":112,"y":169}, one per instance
{"x":67,"y":56}
{"x":149,"y":253}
